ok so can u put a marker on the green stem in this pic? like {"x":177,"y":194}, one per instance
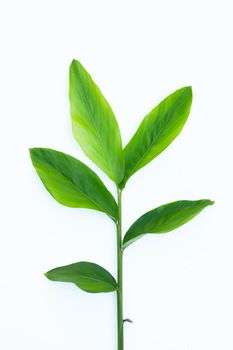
{"x":120,"y":325}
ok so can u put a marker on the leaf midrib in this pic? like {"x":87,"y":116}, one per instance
{"x":158,"y":217}
{"x":97,"y":280}
{"x":134,"y":169}
{"x":95,"y":126}
{"x":76,"y":188}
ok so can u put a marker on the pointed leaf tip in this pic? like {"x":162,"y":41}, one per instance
{"x":157,"y":130}
{"x":165,"y":218}
{"x":94,"y":124}
{"x":89,"y":277}
{"x":71,"y":182}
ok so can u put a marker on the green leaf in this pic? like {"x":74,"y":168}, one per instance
{"x":165,"y":218}
{"x":71,"y":182}
{"x":87,"y":276}
{"x":94,"y":123}
{"x":157,"y":130}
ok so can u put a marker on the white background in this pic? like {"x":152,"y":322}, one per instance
{"x":178,"y":286}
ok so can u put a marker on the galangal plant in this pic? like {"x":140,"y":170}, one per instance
{"x":75,"y":185}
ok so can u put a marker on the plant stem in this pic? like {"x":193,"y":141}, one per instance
{"x":120,"y":323}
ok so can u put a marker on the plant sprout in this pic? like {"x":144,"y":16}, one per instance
{"x":73,"y":184}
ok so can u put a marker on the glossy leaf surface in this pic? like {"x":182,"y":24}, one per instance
{"x":87,"y":276}
{"x":165,"y":218}
{"x":94,"y":123}
{"x":157,"y":130}
{"x":71,"y":182}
